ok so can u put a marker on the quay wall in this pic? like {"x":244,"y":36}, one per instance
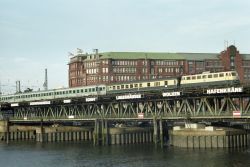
{"x":199,"y":138}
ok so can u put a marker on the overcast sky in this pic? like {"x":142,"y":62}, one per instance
{"x":38,"y":34}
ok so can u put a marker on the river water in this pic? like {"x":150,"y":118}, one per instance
{"x":27,"y":154}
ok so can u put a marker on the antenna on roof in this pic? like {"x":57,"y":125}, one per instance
{"x":79,"y":51}
{"x":225,"y":44}
{"x":70,"y":54}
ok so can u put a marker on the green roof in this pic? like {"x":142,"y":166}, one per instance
{"x":155,"y":55}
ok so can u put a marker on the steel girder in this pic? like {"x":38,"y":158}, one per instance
{"x":185,"y":107}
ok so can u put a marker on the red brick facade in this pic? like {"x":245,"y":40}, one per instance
{"x":91,"y":69}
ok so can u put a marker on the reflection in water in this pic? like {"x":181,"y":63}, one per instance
{"x":21,"y":154}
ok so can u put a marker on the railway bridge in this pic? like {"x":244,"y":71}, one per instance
{"x":224,"y":103}
{"x":59,"y":119}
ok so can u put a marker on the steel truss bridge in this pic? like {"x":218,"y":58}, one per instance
{"x":192,"y":104}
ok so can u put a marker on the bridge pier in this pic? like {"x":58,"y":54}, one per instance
{"x":155,"y":131}
{"x":101,"y":132}
{"x":7,"y":130}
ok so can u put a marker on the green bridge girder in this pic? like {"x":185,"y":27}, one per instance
{"x":165,"y":108}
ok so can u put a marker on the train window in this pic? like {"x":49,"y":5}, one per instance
{"x":70,"y":91}
{"x":74,"y":91}
{"x":127,"y":87}
{"x":82,"y":90}
{"x":157,"y":83}
{"x":226,"y":74}
{"x":122,"y":86}
{"x":204,"y":76}
{"x":166,"y":83}
{"x":103,"y":88}
{"x":86,"y":90}
{"x":118,"y":87}
{"x":198,"y":77}
{"x":188,"y":78}
{"x":77,"y":91}
{"x":93,"y":89}
{"x":193,"y":77}
{"x":215,"y":75}
{"x":89,"y":89}
{"x":113,"y":87}
{"x":233,"y":74}
{"x":148,"y":84}
{"x":131,"y":85}
{"x":210,"y":76}
{"x":136,"y":85}
{"x":221,"y":75}
{"x":140,"y":85}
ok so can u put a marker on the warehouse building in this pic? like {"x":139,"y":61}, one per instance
{"x":103,"y":68}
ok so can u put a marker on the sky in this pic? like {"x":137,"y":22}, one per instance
{"x":38,"y":34}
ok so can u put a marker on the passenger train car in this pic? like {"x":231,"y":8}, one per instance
{"x":55,"y":94}
{"x":203,"y":80}
{"x":146,"y":85}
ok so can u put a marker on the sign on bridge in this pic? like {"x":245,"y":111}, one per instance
{"x":225,"y":90}
{"x":236,"y":114}
{"x":140,"y":115}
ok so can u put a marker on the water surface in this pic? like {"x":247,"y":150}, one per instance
{"x":26,"y":154}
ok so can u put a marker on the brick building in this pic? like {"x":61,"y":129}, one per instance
{"x":108,"y":67}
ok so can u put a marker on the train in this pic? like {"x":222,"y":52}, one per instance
{"x":203,"y":80}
